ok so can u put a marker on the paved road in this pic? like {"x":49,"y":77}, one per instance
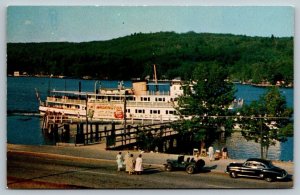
{"x":70,"y":172}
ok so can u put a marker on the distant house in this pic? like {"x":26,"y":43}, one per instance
{"x":16,"y":74}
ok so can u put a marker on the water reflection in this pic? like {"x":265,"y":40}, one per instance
{"x":240,"y":148}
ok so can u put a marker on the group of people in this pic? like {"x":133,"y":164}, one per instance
{"x":212,"y":156}
{"x":131,"y":165}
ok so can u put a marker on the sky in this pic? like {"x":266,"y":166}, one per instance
{"x":93,"y":23}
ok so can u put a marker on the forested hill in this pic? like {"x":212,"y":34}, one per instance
{"x":256,"y":58}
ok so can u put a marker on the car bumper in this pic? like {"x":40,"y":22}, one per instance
{"x":282,"y":176}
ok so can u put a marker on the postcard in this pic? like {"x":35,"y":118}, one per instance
{"x":150,"y":97}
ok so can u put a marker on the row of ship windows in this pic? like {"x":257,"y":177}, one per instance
{"x":108,"y":98}
{"x":151,"y":111}
{"x":147,"y":99}
{"x":143,"y":99}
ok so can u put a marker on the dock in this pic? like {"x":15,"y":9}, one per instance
{"x":116,"y":135}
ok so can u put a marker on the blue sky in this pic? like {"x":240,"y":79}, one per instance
{"x":89,"y":23}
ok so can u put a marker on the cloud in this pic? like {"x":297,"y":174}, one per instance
{"x":27,"y":22}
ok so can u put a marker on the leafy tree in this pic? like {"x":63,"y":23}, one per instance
{"x":267,"y":120}
{"x":205,"y":102}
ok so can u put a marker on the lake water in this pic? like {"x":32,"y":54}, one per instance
{"x":24,"y":126}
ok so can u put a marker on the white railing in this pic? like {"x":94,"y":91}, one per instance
{"x":65,"y":100}
{"x":150,"y":104}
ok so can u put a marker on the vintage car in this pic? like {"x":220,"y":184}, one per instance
{"x":189,"y":164}
{"x":257,"y":168}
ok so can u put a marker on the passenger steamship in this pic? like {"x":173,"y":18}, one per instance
{"x":119,"y":104}
{"x":136,"y":103}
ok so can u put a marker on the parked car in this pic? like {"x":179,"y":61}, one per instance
{"x":257,"y":168}
{"x":189,"y":164}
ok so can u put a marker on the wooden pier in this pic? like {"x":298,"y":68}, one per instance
{"x":115,"y":135}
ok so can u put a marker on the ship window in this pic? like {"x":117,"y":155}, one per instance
{"x":156,"y":99}
{"x":127,"y":110}
{"x":171,"y":112}
{"x":164,"y":99}
{"x":167,"y":112}
{"x":149,"y":99}
{"x":135,"y":110}
{"x":141,"y":99}
{"x":160,"y":99}
{"x":150,"y":111}
{"x":159,"y":112}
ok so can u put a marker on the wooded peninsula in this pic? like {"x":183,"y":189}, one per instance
{"x":247,"y":59}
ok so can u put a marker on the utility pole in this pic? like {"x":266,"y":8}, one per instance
{"x":125,"y":122}
{"x":86,"y":116}
{"x":261,"y":140}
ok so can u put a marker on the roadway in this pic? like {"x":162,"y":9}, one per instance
{"x":28,"y":170}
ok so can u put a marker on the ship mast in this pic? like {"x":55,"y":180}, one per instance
{"x":155,"y":78}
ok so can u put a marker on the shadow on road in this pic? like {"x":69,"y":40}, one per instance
{"x":149,"y":171}
{"x":208,"y":169}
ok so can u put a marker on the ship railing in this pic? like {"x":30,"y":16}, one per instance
{"x":52,"y":118}
{"x":167,"y":93}
{"x":65,"y":100}
{"x":150,"y":104}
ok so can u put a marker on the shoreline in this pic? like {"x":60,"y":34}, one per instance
{"x":260,"y":85}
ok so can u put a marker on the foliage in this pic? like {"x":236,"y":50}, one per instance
{"x":268,"y":121}
{"x":246,"y":58}
{"x":205,"y":102}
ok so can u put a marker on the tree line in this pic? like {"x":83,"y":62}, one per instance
{"x":254,"y":59}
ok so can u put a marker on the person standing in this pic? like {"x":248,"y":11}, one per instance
{"x":139,"y":165}
{"x":119,"y":160}
{"x":130,"y":164}
{"x":126,"y":157}
{"x":211,"y":153}
{"x":225,"y":153}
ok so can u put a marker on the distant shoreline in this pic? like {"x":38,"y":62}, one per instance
{"x":261,"y":85}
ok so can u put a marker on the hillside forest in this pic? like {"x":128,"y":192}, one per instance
{"x":247,"y":59}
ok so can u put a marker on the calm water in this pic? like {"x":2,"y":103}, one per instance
{"x":24,"y":128}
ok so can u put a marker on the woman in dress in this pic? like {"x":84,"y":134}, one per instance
{"x":119,"y":160}
{"x":139,"y":164}
{"x":130,"y":164}
{"x":211,"y":153}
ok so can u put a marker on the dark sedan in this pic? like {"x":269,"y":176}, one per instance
{"x":257,"y":168}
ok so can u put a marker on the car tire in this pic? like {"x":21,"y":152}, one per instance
{"x":190,"y":169}
{"x":169,"y":167}
{"x":233,"y":174}
{"x":266,"y":177}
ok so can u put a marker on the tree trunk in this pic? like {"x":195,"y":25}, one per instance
{"x":264,"y":152}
